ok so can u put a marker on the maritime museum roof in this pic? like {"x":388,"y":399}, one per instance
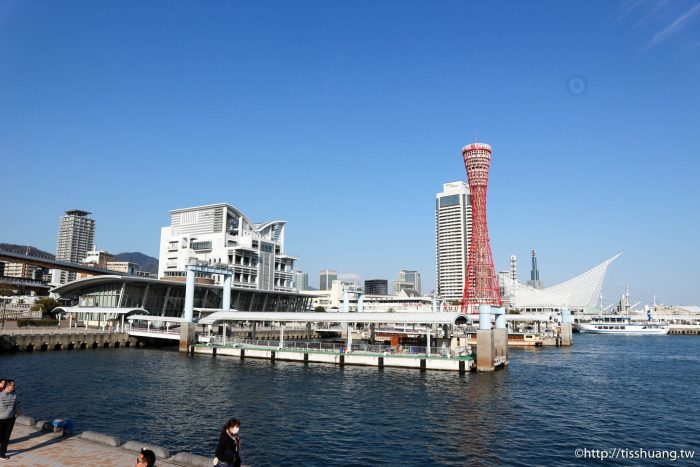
{"x":580,"y":292}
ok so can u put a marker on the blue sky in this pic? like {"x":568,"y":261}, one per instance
{"x":345,"y":119}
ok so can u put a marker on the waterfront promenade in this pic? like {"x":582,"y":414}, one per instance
{"x":29,"y":446}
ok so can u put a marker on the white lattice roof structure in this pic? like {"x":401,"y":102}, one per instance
{"x":579,"y":292}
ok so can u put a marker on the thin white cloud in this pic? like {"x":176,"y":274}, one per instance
{"x":653,"y":12}
{"x":624,"y":10}
{"x":675,"y":26}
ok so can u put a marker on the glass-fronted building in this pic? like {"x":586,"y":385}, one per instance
{"x":167,"y":297}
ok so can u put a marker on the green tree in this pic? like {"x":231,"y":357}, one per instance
{"x":46,"y":305}
{"x":319,"y":309}
{"x":390,"y":310}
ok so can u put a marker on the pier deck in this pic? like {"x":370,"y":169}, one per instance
{"x":30,"y":446}
{"x":422,"y":362}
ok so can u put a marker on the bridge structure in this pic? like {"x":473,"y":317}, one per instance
{"x":48,"y":263}
{"x":23,"y":283}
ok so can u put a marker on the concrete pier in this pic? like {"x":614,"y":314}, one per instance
{"x":63,"y":339}
{"x":485,"y":350}
{"x":380,"y":360}
{"x":30,"y":446}
{"x":186,"y":336}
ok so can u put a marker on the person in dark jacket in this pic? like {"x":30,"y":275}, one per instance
{"x":228,"y":452}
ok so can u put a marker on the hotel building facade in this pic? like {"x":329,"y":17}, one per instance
{"x":453,"y":230}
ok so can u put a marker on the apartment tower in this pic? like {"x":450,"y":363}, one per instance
{"x":76,"y":236}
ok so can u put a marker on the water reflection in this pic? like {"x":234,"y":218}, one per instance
{"x":607,"y":391}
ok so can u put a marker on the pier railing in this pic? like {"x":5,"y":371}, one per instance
{"x":331,"y":346}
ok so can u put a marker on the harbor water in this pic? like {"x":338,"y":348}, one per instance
{"x":605,"y":392}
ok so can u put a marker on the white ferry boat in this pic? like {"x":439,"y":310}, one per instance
{"x":616,"y":324}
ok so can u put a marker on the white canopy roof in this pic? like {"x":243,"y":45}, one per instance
{"x":99,"y":309}
{"x":368,"y":317}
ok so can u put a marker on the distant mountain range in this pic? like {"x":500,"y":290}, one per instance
{"x":26,"y":250}
{"x":145,"y":262}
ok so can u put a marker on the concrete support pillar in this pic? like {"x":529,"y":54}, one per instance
{"x":500,"y":334}
{"x":348,"y":341}
{"x":253,"y":332}
{"x":189,"y":296}
{"x":281,"y":335}
{"x":186,"y":336}
{"x":485,"y":352}
{"x":484,"y":317}
{"x":371,"y":332}
{"x":427,"y":340}
{"x":566,"y":331}
{"x":225,"y":327}
{"x":226,"y":304}
{"x":360,"y":304}
{"x":346,"y":301}
{"x":308,"y":330}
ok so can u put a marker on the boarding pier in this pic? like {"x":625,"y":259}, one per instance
{"x":438,"y":353}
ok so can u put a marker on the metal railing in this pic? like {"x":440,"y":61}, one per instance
{"x":154,"y":330}
{"x":334,"y":347}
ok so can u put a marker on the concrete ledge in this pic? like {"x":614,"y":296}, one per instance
{"x":100,"y":438}
{"x":191,"y":460}
{"x":136,"y":446}
{"x":24,"y":420}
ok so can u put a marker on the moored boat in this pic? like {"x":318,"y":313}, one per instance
{"x":616,"y":324}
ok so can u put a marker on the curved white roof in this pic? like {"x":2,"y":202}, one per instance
{"x":581,"y":291}
{"x":99,"y":310}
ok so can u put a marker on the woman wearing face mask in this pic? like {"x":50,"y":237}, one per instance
{"x":228,"y":452}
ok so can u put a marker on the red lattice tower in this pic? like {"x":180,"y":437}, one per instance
{"x":480,"y":283}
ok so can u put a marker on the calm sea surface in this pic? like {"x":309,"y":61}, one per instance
{"x":605,"y":392}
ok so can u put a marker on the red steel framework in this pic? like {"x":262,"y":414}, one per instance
{"x":480,"y":283}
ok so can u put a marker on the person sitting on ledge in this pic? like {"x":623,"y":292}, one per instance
{"x":146,"y":458}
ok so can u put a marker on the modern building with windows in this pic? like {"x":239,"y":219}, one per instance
{"x":301,"y":280}
{"x":377,"y":287}
{"x":326,"y":279}
{"x":123,"y":267}
{"x":408,"y":281}
{"x":112,"y":296}
{"x":453,"y":230}
{"x":76,"y":236}
{"x":222,"y":234}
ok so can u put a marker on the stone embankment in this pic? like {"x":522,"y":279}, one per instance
{"x":62,"y":339}
{"x":32,"y":444}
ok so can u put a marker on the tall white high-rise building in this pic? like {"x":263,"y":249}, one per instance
{"x":76,"y":236}
{"x":453,"y":231}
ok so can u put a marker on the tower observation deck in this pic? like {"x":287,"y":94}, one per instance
{"x":480,"y":284}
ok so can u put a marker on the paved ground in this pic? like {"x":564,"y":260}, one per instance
{"x":29,"y":447}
